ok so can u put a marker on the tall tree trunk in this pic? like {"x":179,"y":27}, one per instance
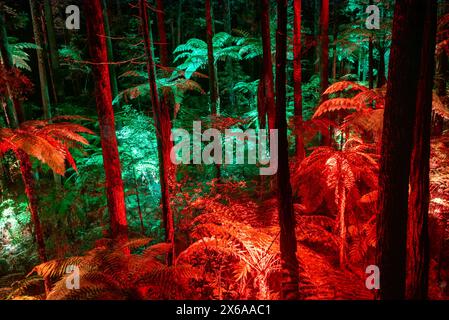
{"x":324,"y":46}
{"x":229,"y":71}
{"x":53,"y":48}
{"x":267,"y":64}
{"x":418,"y":233}
{"x":371,"y":62}
{"x":35,"y":16}
{"x":165,"y":102}
{"x":111,"y":161}
{"x":107,"y":29}
{"x":381,"y":80}
{"x":164,"y":159}
{"x":178,"y":22}
{"x":324,"y":61}
{"x":213,"y":82}
{"x":397,"y":142}
{"x":289,"y":261}
{"x":297,"y":70}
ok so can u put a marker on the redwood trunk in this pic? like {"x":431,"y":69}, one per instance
{"x":418,"y":233}
{"x":397,"y":142}
{"x":114,"y":184}
{"x":164,"y":159}
{"x":297,"y":70}
{"x":289,"y":261}
{"x":267,"y":64}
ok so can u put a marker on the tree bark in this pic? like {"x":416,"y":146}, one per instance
{"x":164,"y":161}
{"x":371,"y":62}
{"x":53,"y":48}
{"x":111,"y":161}
{"x":397,"y":146}
{"x":297,"y":70}
{"x":418,"y":233}
{"x":324,"y":46}
{"x":213,"y":82}
{"x":113,"y":76}
{"x":43,"y":80}
{"x":165,"y":102}
{"x":267,"y":78}
{"x":289,"y":261}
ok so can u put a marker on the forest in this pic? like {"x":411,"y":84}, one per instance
{"x":224,"y":150}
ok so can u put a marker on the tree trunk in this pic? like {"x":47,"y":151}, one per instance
{"x":114,"y":184}
{"x":418,"y":233}
{"x":297,"y":70}
{"x":213,"y":82}
{"x":324,"y":46}
{"x":324,"y":61}
{"x":397,"y":146}
{"x":371,"y":62}
{"x":381,"y":80}
{"x":53,"y":48}
{"x":112,"y":74}
{"x":229,"y":70}
{"x":289,"y":261}
{"x":165,"y":102}
{"x":164,"y":161}
{"x":267,"y":64}
{"x":46,"y":107}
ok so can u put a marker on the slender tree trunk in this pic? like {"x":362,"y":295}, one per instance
{"x":289,"y":261}
{"x":397,"y":140}
{"x":213,"y":82}
{"x":324,"y":46}
{"x":111,"y":161}
{"x":112,"y":74}
{"x":418,"y":233}
{"x":371,"y":62}
{"x":229,"y":70}
{"x":178,"y":22}
{"x":165,"y":102}
{"x":297,"y":70}
{"x":164,"y":162}
{"x":267,"y":64}
{"x":324,"y":61}
{"x":46,"y":107}
{"x":54,"y":55}
{"x":381,"y":79}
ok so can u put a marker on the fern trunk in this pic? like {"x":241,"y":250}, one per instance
{"x":418,"y":233}
{"x":297,"y":70}
{"x":159,"y":122}
{"x":111,"y":161}
{"x":397,"y":142}
{"x":289,"y":261}
{"x":267,"y":78}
